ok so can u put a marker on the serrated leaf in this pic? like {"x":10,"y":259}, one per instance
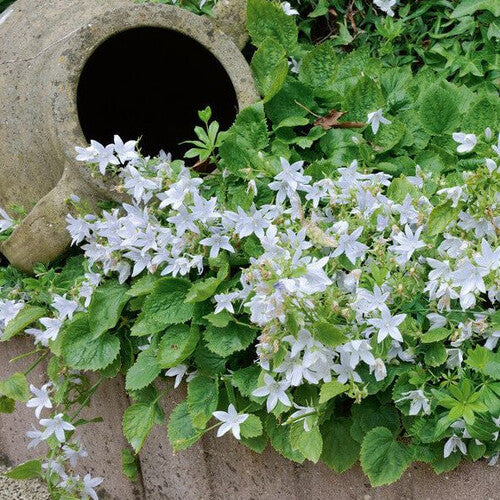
{"x":435,"y":354}
{"x":27,"y":315}
{"x":143,"y":372}
{"x":251,"y":427}
{"x":319,"y":65}
{"x":219,"y":320}
{"x":232,"y":338}
{"x":143,"y":286}
{"x":441,"y":217}
{"x":270,"y":67}
{"x":383,"y":458}
{"x":28,"y":470}
{"x":331,"y":389}
{"x":130,"y":467}
{"x":246,"y":380}
{"x":438,"y":109}
{"x":15,"y":387}
{"x":83,"y":353}
{"x":267,"y":20}
{"x":279,"y":436}
{"x":164,"y":306}
{"x":178,"y":342}
{"x":106,"y":307}
{"x":7,"y":405}
{"x":181,"y":432}
{"x":202,"y":399}
{"x":328,"y":334}
{"x":435,"y":335}
{"x":469,"y":7}
{"x":308,"y":443}
{"x":138,"y":420}
{"x":361,"y":99}
{"x":340,"y":451}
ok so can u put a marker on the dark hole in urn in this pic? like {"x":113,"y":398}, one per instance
{"x":150,"y":83}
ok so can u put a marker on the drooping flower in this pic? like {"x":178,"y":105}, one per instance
{"x":466,"y":142}
{"x":375,"y":118}
{"x":386,"y":6}
{"x":41,"y":399}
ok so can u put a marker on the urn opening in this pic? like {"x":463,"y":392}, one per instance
{"x":151,"y":82}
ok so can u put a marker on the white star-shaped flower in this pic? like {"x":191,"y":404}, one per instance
{"x":231,"y":421}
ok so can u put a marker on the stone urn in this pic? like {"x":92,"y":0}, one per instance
{"x":76,"y":70}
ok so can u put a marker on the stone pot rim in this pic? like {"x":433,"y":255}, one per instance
{"x":127,"y":18}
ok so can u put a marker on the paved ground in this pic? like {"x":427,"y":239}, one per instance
{"x":21,"y":490}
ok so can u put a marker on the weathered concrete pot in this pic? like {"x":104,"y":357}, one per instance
{"x":45,"y":45}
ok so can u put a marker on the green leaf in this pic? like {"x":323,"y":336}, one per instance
{"x":435,"y":354}
{"x":441,"y":216}
{"x":469,"y":7}
{"x":232,"y":338}
{"x":181,"y":432}
{"x":319,"y":65}
{"x":267,"y":20}
{"x":270,"y":67}
{"x":143,"y":371}
{"x":400,"y":188}
{"x":328,"y":334}
{"x":308,"y":443}
{"x":138,"y":420}
{"x":143,"y":286}
{"x":279,"y":436}
{"x":202,"y":399}
{"x":204,"y":289}
{"x":27,"y":315}
{"x":81,"y":352}
{"x":435,"y":335}
{"x":438,"y":110}
{"x":220,"y":320}
{"x":244,"y":140}
{"x":383,"y":458}
{"x":15,"y":387}
{"x":178,"y":343}
{"x":362,"y":99}
{"x":331,"y":389}
{"x":164,"y":306}
{"x":251,"y":427}
{"x":28,"y":470}
{"x":246,"y":380}
{"x":7,"y":405}
{"x":340,"y":451}
{"x":130,"y":466}
{"x":106,"y":307}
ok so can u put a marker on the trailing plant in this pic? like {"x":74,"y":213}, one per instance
{"x":324,"y":279}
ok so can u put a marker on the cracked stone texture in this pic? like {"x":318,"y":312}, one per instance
{"x":45,"y":44}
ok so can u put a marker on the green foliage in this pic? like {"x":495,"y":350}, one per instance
{"x":232,"y":338}
{"x":143,"y":372}
{"x":105,"y":309}
{"x":138,"y":420}
{"x":28,"y":470}
{"x":25,"y":317}
{"x":81,"y":352}
{"x":130,"y":466}
{"x":15,"y":388}
{"x":383,"y":458}
{"x":164,"y":306}
{"x":178,"y":342}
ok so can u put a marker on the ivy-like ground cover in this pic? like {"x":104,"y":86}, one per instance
{"x":329,"y":288}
